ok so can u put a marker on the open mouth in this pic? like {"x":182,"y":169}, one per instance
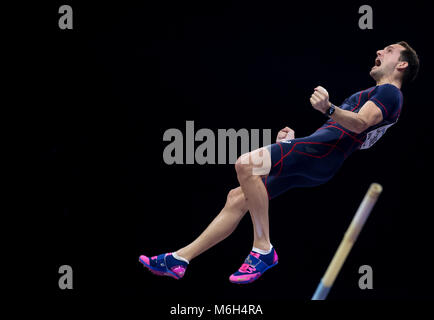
{"x":377,"y":62}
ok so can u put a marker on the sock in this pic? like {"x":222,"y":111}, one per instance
{"x":179,"y":257}
{"x":263,"y":251}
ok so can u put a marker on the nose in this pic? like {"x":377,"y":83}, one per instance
{"x":379,"y":52}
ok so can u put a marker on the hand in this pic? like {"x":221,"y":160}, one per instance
{"x":285,"y":134}
{"x":320,"y":99}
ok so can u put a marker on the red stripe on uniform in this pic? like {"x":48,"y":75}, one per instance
{"x":351,"y":136}
{"x":360,"y":96}
{"x":333,"y":146}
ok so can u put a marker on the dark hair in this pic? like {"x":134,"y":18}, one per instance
{"x":410,"y":56}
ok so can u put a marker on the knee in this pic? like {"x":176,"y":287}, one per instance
{"x":237,"y":200}
{"x":243,"y":166}
{"x":255,"y":163}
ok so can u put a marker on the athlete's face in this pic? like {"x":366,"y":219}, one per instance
{"x":387,"y":61}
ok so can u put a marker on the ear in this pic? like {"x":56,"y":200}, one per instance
{"x":402,"y":65}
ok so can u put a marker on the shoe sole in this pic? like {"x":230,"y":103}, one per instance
{"x":159,"y":273}
{"x":254,"y":279}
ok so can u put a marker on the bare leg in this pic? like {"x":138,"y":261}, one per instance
{"x":220,"y":228}
{"x":250,"y":167}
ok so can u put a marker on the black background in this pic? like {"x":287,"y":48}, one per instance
{"x":106,"y":91}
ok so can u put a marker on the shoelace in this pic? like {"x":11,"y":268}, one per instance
{"x":247,"y":268}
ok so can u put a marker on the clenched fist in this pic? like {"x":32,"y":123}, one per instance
{"x":285,"y":134}
{"x":320,"y":99}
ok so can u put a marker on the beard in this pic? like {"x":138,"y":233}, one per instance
{"x":376,"y":74}
{"x":385,"y":70}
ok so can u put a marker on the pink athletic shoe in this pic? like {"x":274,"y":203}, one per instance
{"x":254,"y":266}
{"x":165,"y":265}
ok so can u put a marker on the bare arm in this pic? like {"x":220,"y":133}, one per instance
{"x":369,"y":115}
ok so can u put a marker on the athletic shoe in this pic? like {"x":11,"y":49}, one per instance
{"x":165,"y":265}
{"x":254,"y":266}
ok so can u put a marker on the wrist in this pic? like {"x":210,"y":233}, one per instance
{"x":330,"y":110}
{"x":329,"y":104}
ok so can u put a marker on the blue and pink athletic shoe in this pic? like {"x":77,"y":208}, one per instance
{"x":254,"y":266}
{"x":165,"y":265}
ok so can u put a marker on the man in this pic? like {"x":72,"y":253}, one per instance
{"x":309,"y":161}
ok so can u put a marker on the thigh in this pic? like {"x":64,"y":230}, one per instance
{"x":301,"y":163}
{"x":306,"y":158}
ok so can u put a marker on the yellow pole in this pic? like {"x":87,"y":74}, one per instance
{"x":348,"y":241}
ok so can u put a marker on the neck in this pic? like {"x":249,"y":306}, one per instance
{"x":396,"y":83}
